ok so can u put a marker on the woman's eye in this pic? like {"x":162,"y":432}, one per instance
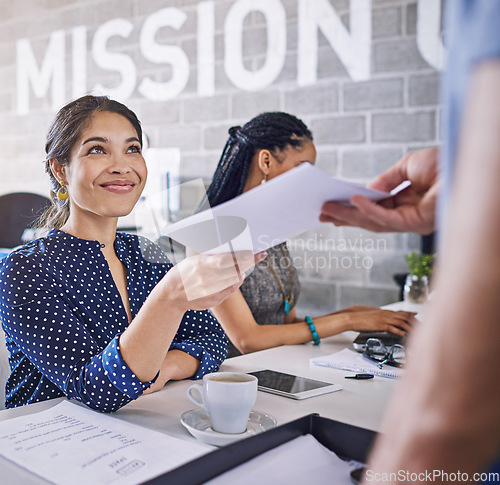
{"x":134,"y":149}
{"x":96,"y":149}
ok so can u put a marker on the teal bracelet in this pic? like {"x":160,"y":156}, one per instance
{"x":312,"y":328}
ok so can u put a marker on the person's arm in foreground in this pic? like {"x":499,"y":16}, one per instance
{"x":411,"y":210}
{"x":247,"y":335}
{"x":444,"y":415}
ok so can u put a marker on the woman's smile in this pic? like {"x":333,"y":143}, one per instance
{"x":118,"y":186}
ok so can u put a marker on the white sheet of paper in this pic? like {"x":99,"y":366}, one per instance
{"x":70,"y":444}
{"x":352,"y":361}
{"x":268,"y":214}
{"x":301,"y":460}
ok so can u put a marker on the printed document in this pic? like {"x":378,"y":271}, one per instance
{"x":72,"y":445}
{"x":269,"y":214}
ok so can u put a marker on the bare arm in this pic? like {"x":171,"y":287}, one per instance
{"x":411,"y":210}
{"x":445,"y":413}
{"x":177,"y":365}
{"x":248,"y":336}
{"x":196,"y":283}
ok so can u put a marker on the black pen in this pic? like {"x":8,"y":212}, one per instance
{"x":360,"y":376}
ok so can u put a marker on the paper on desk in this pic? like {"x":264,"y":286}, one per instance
{"x":352,"y":361}
{"x":70,"y":444}
{"x":267,"y":215}
{"x":302,"y":460}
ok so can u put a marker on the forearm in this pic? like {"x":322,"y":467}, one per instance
{"x":176,"y":366}
{"x":145,"y":343}
{"x":326,"y":325}
{"x":445,"y":413}
{"x":268,"y":336}
{"x":350,"y":309}
{"x":249,"y":335}
{"x":198,"y":283}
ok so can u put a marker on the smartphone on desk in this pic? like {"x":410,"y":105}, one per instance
{"x":294,"y":387}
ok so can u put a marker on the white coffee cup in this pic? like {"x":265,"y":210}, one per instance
{"x":228,"y":397}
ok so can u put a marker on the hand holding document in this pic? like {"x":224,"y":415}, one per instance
{"x":269,"y":214}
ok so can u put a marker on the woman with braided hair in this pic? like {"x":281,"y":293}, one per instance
{"x":262,"y":314}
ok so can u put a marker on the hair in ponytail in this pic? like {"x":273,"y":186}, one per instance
{"x":273,"y":131}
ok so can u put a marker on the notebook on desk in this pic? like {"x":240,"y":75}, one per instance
{"x":387,"y":338}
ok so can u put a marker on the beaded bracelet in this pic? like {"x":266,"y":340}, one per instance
{"x":312,"y":328}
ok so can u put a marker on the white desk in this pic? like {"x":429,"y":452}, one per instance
{"x":360,"y":403}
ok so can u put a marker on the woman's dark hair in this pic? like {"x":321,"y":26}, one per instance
{"x":273,"y":131}
{"x":64,"y":132}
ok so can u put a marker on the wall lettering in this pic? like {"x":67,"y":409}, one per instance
{"x":429,"y":40}
{"x":46,"y":77}
{"x":28,"y":73}
{"x":164,"y":54}
{"x":352,"y":48}
{"x":275,"y":16}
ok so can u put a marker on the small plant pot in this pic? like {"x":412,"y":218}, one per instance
{"x":416,"y":289}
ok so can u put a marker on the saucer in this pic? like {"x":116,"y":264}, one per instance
{"x":197,"y":422}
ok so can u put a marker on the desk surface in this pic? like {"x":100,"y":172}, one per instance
{"x":360,"y":403}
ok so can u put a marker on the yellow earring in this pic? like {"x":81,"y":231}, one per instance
{"x":62,"y":193}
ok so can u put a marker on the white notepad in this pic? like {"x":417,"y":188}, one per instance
{"x":352,"y":361}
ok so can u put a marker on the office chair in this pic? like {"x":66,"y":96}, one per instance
{"x":18,"y":211}
{"x":4,"y":368}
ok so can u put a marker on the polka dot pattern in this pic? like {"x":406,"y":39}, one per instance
{"x":62,"y":316}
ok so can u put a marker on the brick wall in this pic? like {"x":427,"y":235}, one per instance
{"x":362,"y":123}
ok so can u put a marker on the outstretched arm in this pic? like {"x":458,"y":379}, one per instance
{"x":196,"y":283}
{"x":444,"y":415}
{"x":248,"y":336}
{"x":411,"y":210}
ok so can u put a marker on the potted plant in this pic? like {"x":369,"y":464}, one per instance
{"x":416,"y":286}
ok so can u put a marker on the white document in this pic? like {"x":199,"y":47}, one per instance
{"x":72,"y":445}
{"x":269,"y":214}
{"x":352,"y":361}
{"x":302,"y":460}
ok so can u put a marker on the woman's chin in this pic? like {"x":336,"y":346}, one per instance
{"x":116,"y":212}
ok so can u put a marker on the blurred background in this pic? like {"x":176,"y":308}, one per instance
{"x":362,"y":74}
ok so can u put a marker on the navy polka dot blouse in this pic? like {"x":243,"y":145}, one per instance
{"x":62,"y":316}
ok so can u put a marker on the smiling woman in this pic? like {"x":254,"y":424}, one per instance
{"x":96,"y":315}
{"x":102,"y":167}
